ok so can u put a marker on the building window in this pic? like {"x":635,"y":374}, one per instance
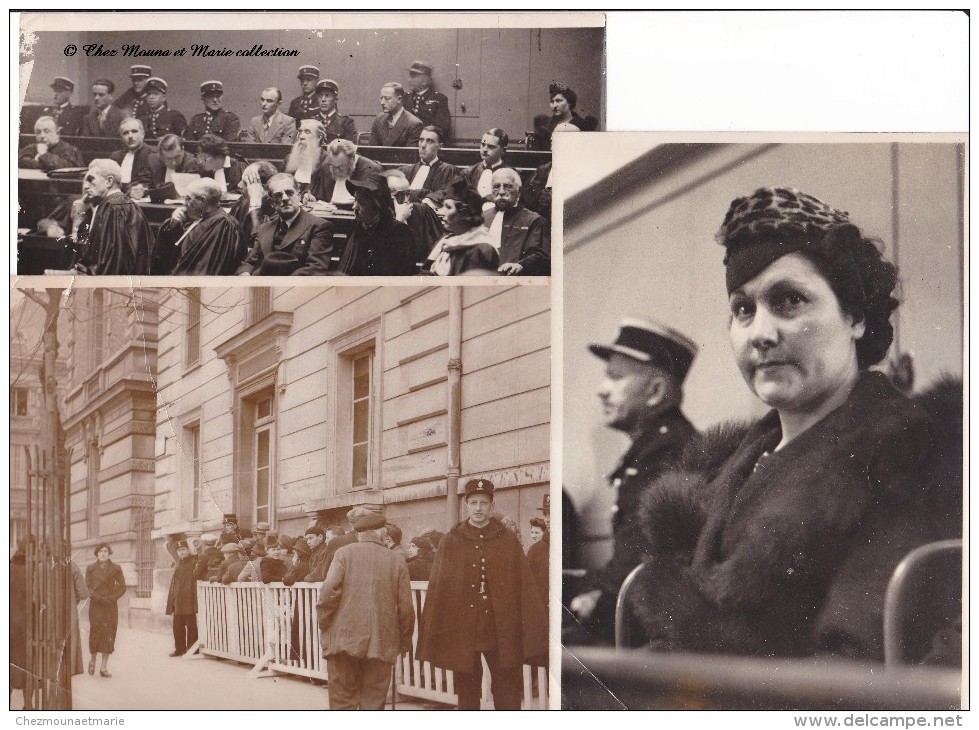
{"x":259,"y":304}
{"x":98,"y":328}
{"x":357,"y":417}
{"x":18,"y":401}
{"x":264,"y":425}
{"x":193,"y":441}
{"x":192,"y":339}
{"x":94,"y":496}
{"x":256,"y":487}
{"x":363,"y":366}
{"x":18,"y":467}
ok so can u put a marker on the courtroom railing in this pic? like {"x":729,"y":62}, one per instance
{"x":274,"y":628}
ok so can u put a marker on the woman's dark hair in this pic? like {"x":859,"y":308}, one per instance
{"x":213,"y":145}
{"x":538,"y":522}
{"x":469,"y":203}
{"x":863,"y":282}
{"x":471,"y":218}
{"x":567,"y":92}
{"x":101,"y":545}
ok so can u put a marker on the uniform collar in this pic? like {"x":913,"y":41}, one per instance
{"x":662,"y":433}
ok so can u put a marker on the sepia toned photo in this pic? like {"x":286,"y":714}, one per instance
{"x":237,"y":144}
{"x":280,"y":498}
{"x":763,"y":422}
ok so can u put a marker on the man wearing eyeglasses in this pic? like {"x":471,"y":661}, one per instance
{"x":200,"y":238}
{"x":520,"y":235}
{"x":292,"y":242}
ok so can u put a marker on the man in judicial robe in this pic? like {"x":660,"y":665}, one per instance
{"x":342,"y":164}
{"x":492,"y":148}
{"x":105,"y":117}
{"x":306,"y":160}
{"x":109,"y":231}
{"x":420,"y":217}
{"x":169,"y":159}
{"x":304,"y":238}
{"x":48,"y":152}
{"x":133,"y":100}
{"x":395,"y":126}
{"x":213,"y":120}
{"x":429,"y":173}
{"x":201,"y":238}
{"x":218,"y":163}
{"x":134,"y":158}
{"x":521,"y":236}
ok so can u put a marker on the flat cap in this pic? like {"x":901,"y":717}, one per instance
{"x":372,"y":521}
{"x":231,"y":547}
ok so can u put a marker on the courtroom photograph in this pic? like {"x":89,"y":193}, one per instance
{"x":288,"y":498}
{"x":763,"y":419}
{"x":236,"y":144}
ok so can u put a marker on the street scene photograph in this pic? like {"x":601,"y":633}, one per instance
{"x":291,"y":497}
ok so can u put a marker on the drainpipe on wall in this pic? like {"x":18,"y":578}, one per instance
{"x":454,"y":416}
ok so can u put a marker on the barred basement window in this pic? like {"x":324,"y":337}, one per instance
{"x":192,"y":339}
{"x":145,"y":563}
{"x":19,"y":401}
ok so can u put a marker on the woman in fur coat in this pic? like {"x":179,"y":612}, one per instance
{"x":778,"y":538}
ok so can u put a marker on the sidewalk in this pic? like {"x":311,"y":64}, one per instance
{"x":145,"y":678}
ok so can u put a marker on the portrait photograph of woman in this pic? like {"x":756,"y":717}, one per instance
{"x":800,"y":306}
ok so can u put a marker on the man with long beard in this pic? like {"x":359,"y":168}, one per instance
{"x":307,"y":160}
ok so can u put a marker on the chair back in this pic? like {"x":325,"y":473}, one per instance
{"x":623,"y":629}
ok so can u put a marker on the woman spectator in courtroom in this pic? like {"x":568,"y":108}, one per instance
{"x":466,"y":246}
{"x":779,"y":538}
{"x":106,"y":586}
{"x":379,"y":245}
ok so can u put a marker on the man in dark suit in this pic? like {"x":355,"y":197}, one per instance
{"x":425,"y":102}
{"x":48,"y":152}
{"x":157,"y":117}
{"x":271,"y":126}
{"x":342,"y":164}
{"x":133,"y":100}
{"x":171,"y":158}
{"x":306,"y":240}
{"x":105,"y":117}
{"x":69,"y":118}
{"x":306,"y":106}
{"x":492,"y":148}
{"x":134,"y":158}
{"x":395,"y":126}
{"x":337,"y":125}
{"x":216,"y":162}
{"x":213,"y":120}
{"x":429,"y":173}
{"x":521,"y":236}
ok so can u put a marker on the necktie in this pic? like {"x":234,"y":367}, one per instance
{"x":280,"y":233}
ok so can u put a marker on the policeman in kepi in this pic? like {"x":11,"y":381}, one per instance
{"x":425,"y":102}
{"x":214,"y":119}
{"x":640,"y":394}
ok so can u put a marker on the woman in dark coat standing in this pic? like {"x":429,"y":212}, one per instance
{"x":106,"y":586}
{"x":779,"y":539}
{"x":421,"y":555}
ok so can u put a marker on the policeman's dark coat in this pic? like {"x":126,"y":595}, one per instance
{"x":338,"y":126}
{"x":304,"y":107}
{"x":182,"y":596}
{"x":131,"y":103}
{"x":431,"y":107}
{"x":448,"y":625}
{"x":222,"y":123}
{"x":790,"y":553}
{"x":69,"y":118}
{"x":162,"y":122}
{"x":120,"y":241}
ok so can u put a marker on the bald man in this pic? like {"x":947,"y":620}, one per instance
{"x":200,"y":238}
{"x":49,"y":152}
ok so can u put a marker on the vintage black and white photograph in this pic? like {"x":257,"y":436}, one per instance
{"x":762,"y":463}
{"x":237,"y":144}
{"x":253,"y":498}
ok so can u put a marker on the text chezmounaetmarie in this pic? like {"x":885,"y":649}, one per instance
{"x":204,"y":50}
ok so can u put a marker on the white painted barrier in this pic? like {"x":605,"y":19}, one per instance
{"x":274,"y":628}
